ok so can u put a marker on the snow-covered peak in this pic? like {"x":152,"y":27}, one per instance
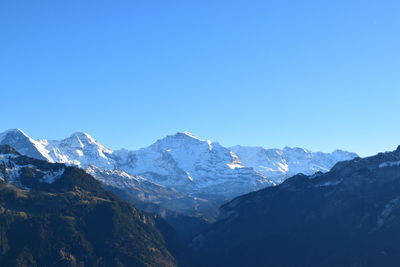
{"x":81,"y":137}
{"x":84,"y":141}
{"x":80,"y":149}
{"x":181,"y":137}
{"x":21,"y":142}
{"x":189,"y":134}
{"x":182,"y":161}
{"x":12,"y":132}
{"x":296,"y":150}
{"x":186,"y":161}
{"x":189,"y":151}
{"x":279,"y":164}
{"x":339,"y":154}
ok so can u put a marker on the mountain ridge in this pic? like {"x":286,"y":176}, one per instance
{"x":279,"y":164}
{"x":348,"y":216}
{"x":70,"y":220}
{"x":199,"y":171}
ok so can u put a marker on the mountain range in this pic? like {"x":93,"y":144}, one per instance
{"x":349,"y":216}
{"x":60,"y":214}
{"x":180,"y":173}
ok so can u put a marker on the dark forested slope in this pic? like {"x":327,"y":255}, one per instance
{"x":349,"y":216}
{"x":53,"y":215}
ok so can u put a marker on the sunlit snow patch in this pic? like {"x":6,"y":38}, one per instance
{"x":329,"y":183}
{"x":50,"y":176}
{"x":389,"y":164}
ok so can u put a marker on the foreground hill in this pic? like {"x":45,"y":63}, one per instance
{"x":54,"y":215}
{"x":349,"y":216}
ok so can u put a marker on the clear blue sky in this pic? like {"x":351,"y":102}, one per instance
{"x":316,"y":74}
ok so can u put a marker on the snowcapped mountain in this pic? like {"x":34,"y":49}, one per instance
{"x":192,"y":165}
{"x":345,"y":217}
{"x":79,"y":149}
{"x":180,"y":172}
{"x":25,"y":145}
{"x":181,"y":161}
{"x":280,"y":164}
{"x":82,"y":150}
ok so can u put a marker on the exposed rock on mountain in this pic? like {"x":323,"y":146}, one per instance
{"x":279,"y":164}
{"x":193,"y":166}
{"x":349,"y":216}
{"x":180,"y":172}
{"x":55,"y":215}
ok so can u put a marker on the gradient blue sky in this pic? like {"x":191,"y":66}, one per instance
{"x":316,"y":74}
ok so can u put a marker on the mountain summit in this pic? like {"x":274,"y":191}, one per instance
{"x":196,"y":171}
{"x":192,"y":165}
{"x":279,"y":164}
{"x":20,"y":141}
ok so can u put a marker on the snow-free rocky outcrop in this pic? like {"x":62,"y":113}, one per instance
{"x":180,"y":172}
